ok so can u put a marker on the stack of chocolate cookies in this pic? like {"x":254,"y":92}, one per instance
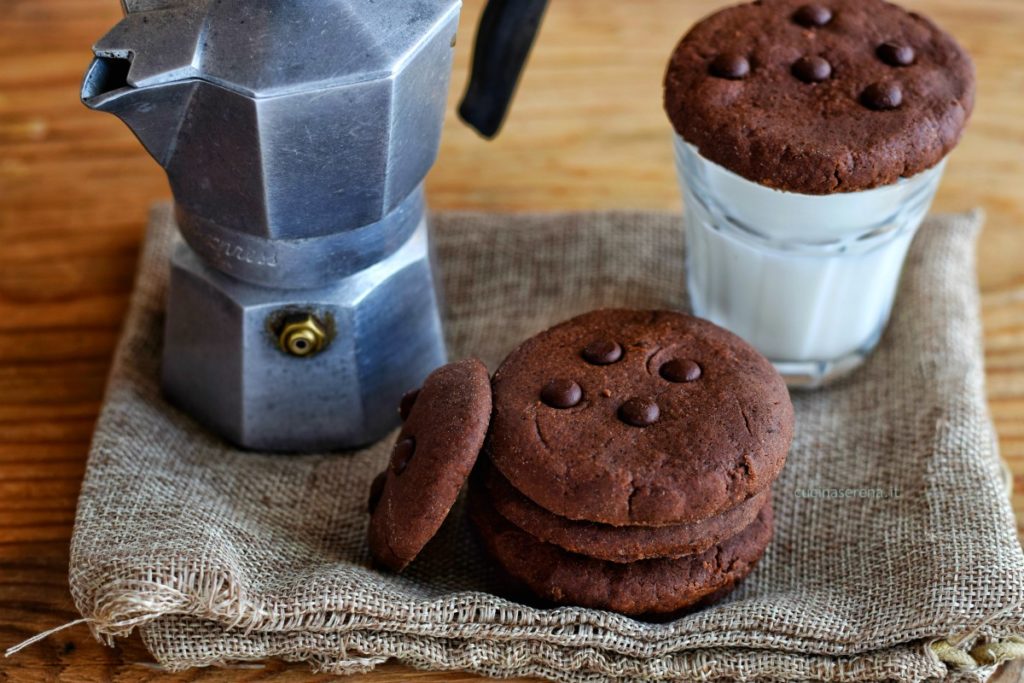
{"x":627,"y":463}
{"x":630,"y":460}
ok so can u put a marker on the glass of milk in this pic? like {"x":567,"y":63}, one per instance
{"x":807,"y":279}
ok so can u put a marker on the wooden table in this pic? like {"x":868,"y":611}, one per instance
{"x":587,"y":132}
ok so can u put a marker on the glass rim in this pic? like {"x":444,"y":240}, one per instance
{"x":872,"y":236}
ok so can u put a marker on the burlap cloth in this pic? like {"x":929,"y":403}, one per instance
{"x":219,"y":555}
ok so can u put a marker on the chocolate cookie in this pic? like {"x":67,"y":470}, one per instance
{"x":433,"y":455}
{"x":622,"y":543}
{"x":820,"y":97}
{"x":639,"y":418}
{"x":645,"y":588}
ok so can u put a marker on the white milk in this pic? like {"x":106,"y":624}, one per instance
{"x":809,"y":280}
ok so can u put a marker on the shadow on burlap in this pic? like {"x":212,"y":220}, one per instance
{"x":219,"y":555}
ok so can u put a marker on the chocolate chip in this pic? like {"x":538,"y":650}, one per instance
{"x":602,"y":352}
{"x":730,"y":65}
{"x":812,"y":16}
{"x":561,"y":393}
{"x":896,"y":54}
{"x":812,"y":69}
{"x":405,"y":406}
{"x":639,"y":412}
{"x":882,"y":96}
{"x":680,"y":370}
{"x":376,"y":491}
{"x":402,"y":454}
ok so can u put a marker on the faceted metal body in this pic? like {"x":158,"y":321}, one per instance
{"x":224,"y":365}
{"x":295,"y":136}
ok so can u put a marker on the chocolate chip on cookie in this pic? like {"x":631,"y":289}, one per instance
{"x":602,"y":351}
{"x":639,"y":412}
{"x":561,"y":393}
{"x":896,"y":54}
{"x":401,"y":454}
{"x":689,"y":422}
{"x":882,"y":96}
{"x":812,"y":16}
{"x":730,"y":65}
{"x":435,"y":451}
{"x":680,"y":370}
{"x":812,"y":69}
{"x":406,"y":404}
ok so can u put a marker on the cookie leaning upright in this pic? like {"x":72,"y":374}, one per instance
{"x":445,"y":426}
{"x":833,"y":96}
{"x":639,"y":418}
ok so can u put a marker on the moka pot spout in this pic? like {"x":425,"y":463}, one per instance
{"x":153,"y":113}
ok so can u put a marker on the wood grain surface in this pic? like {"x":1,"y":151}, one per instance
{"x":587,"y":132}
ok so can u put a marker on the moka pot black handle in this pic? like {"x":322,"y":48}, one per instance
{"x":504,"y":38}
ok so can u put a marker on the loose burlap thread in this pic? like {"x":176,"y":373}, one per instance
{"x":893,"y":530}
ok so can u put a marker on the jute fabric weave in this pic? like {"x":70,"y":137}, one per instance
{"x":893,"y":529}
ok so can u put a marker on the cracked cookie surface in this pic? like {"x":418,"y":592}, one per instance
{"x":676,"y":419}
{"x":646,"y":588}
{"x":821,"y":97}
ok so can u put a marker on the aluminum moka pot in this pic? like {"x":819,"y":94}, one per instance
{"x":296,"y":135}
